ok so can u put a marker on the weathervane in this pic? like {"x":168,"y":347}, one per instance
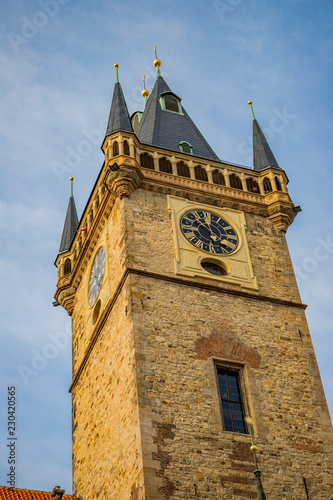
{"x":145,"y":92}
{"x":157,"y":63}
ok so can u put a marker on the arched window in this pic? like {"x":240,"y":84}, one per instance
{"x":115,"y":149}
{"x":97,"y":202}
{"x":278,"y":184}
{"x":200,"y":173}
{"x":135,"y":119}
{"x":267,"y":185}
{"x":185,"y":147}
{"x":103,"y":189}
{"x":91,"y":216}
{"x":147,"y":161}
{"x":165,"y":165}
{"x":67,"y":266}
{"x":126,"y":148}
{"x":213,"y":268}
{"x":218,"y":177}
{"x":182,"y":169}
{"x":252,"y":185}
{"x":235,"y":181}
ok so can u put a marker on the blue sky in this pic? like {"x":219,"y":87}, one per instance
{"x":57,"y":77}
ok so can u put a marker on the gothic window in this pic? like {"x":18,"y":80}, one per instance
{"x":147,"y":161}
{"x":252,"y":185}
{"x":165,"y":165}
{"x":185,"y":147}
{"x":200,"y":173}
{"x":182,"y":169}
{"x":126,"y":148}
{"x":267,"y":185}
{"x":231,"y":401}
{"x":278,"y":184}
{"x":67,"y":266}
{"x":135,"y":119}
{"x":115,"y":149}
{"x":218,"y":177}
{"x":235,"y":181}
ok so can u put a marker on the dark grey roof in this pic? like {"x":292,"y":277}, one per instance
{"x":262,"y":153}
{"x":70,"y":226}
{"x":119,"y":118}
{"x":166,"y":129}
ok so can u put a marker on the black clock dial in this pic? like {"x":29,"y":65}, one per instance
{"x":96,"y":276}
{"x":209,"y":232}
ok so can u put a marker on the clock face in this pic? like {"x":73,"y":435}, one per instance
{"x":96,"y":276}
{"x":209,"y":232}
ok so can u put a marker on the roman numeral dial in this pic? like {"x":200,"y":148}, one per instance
{"x":209,"y":232}
{"x":96,"y":276}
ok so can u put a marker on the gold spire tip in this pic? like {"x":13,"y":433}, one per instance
{"x":249,"y":103}
{"x":145,"y":93}
{"x":157,"y":63}
{"x":116,"y":65}
{"x":253,"y":448}
{"x":71,"y":178}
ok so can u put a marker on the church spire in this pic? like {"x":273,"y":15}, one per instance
{"x":119,"y":118}
{"x":166,"y":124}
{"x":262,"y":153}
{"x":71,"y":223}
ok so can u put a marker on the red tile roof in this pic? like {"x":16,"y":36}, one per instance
{"x":19,"y":494}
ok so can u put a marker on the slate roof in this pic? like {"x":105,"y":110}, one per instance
{"x":166,"y":129}
{"x":70,"y":226}
{"x":119,"y":118}
{"x":262,"y":153}
{"x":20,"y":494}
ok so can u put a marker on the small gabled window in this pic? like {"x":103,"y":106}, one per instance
{"x":185,"y":147}
{"x":135,"y":119}
{"x":170,"y":102}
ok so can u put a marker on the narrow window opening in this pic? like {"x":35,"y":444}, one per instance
{"x":183,"y":169}
{"x":171,"y":103}
{"x":278,"y":184}
{"x":147,"y":161}
{"x":67,"y":266}
{"x":165,"y":165}
{"x":218,"y":177}
{"x":200,"y":173}
{"x":231,"y":402}
{"x":252,"y":185}
{"x":235,"y":181}
{"x":126,"y":148}
{"x":267,"y":185}
{"x":115,"y":149}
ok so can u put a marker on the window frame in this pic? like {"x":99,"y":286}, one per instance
{"x":239,"y":370}
{"x":177,"y":99}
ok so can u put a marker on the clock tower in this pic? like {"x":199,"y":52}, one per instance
{"x":193,"y":367}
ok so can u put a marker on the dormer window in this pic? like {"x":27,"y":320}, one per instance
{"x":170,"y":102}
{"x":135,"y":119}
{"x":185,"y":147}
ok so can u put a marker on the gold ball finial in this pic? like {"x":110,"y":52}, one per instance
{"x":157,"y":63}
{"x":145,"y":93}
{"x":249,"y":103}
{"x":253,"y":448}
{"x":116,"y":65}
{"x":71,"y":178}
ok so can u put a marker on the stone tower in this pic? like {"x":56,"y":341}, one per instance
{"x":189,"y":335}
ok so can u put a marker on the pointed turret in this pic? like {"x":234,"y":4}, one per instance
{"x":71,"y":223}
{"x":165,"y":122}
{"x":119,"y":118}
{"x":262,"y":153}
